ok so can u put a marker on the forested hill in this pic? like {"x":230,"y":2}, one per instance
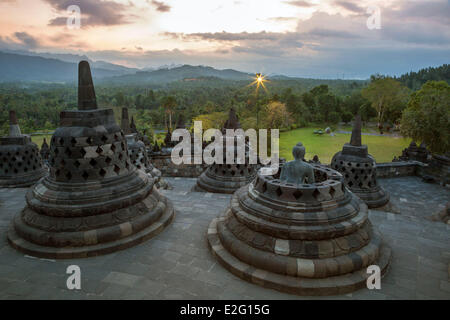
{"x":18,"y":67}
{"x":415,"y":80}
{"x":184,"y":73}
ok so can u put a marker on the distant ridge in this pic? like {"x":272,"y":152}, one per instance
{"x":184,"y":72}
{"x":21,"y":67}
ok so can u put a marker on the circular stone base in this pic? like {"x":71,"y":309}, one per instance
{"x":93,"y":250}
{"x":373,"y":199}
{"x":24,"y":181}
{"x":294,"y":285}
{"x":207,"y":184}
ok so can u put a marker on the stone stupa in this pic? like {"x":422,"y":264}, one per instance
{"x":45,"y":151}
{"x":138,"y":152}
{"x":300,"y":231}
{"x":359,"y":169}
{"x":20,"y":162}
{"x":415,"y":153}
{"x":227,"y":178}
{"x":95,"y":201}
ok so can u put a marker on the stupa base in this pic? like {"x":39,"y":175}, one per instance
{"x":334,"y":285}
{"x":373,"y":198}
{"x":207,"y":184}
{"x":126,"y":238}
{"x":24,"y":181}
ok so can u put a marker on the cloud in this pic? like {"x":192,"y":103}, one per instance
{"x":350,"y":6}
{"x":299,"y":3}
{"x":161,"y":6}
{"x":93,"y":12}
{"x":27,"y":40}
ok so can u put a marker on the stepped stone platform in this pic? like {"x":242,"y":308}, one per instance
{"x":306,"y":239}
{"x":178,"y":265}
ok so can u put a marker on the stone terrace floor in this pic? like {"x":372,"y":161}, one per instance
{"x":177,"y":264}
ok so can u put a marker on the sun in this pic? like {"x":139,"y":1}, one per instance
{"x":259,"y":80}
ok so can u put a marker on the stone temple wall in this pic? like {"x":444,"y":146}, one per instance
{"x":400,"y":169}
{"x":169,"y":169}
{"x":384,"y":170}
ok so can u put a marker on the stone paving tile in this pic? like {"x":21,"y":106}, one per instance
{"x":178,"y":265}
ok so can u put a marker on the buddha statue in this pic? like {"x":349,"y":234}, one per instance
{"x":297,"y":171}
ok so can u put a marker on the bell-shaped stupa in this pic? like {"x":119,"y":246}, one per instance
{"x":95,"y":201}
{"x":45,"y":151}
{"x":300,"y":231}
{"x":227,"y":178}
{"x":138,"y":152}
{"x":359,"y":169}
{"x":20,"y":162}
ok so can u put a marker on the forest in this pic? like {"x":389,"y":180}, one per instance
{"x":285,"y":103}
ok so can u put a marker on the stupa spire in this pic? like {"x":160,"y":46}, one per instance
{"x":86,"y":92}
{"x":233,"y":121}
{"x":14,"y":129}
{"x":356,"y":132}
{"x":125,"y":124}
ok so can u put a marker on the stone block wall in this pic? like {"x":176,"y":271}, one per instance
{"x":169,"y":169}
{"x":400,"y":169}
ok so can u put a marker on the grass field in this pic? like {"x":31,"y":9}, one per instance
{"x":383,"y":148}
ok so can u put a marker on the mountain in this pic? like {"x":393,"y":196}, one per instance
{"x":185,"y":72}
{"x":20,"y":67}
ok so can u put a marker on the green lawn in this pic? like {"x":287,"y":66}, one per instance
{"x":38,"y":139}
{"x":383,"y":148}
{"x":325,"y":146}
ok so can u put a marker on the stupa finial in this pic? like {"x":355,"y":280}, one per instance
{"x":233,"y":121}
{"x":14,"y":129}
{"x":125,"y":124}
{"x":356,"y":132}
{"x":86,"y":92}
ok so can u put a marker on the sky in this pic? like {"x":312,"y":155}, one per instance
{"x":305,"y":38}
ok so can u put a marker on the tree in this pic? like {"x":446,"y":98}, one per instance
{"x":427,"y":116}
{"x":277,"y":115}
{"x":384,"y":94}
{"x":347,"y":117}
{"x":169,"y":104}
{"x":327,"y":104}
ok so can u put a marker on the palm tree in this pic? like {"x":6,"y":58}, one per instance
{"x":169,"y":104}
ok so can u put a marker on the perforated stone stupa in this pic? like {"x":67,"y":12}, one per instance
{"x":359,"y":170}
{"x":414,"y":153}
{"x":20,"y":162}
{"x":227,"y":178}
{"x":45,"y":151}
{"x":138,"y":151}
{"x":94,"y":201}
{"x":305,"y":238}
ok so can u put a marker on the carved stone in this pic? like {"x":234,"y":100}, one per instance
{"x":359,"y":170}
{"x":414,"y":153}
{"x":227,"y":178}
{"x":20,"y":162}
{"x":94,"y":201}
{"x":305,"y":239}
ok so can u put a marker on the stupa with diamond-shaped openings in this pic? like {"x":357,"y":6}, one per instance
{"x":94,"y":201}
{"x":359,"y":169}
{"x":20,"y":162}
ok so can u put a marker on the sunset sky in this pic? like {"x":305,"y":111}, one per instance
{"x":310,"y":38}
